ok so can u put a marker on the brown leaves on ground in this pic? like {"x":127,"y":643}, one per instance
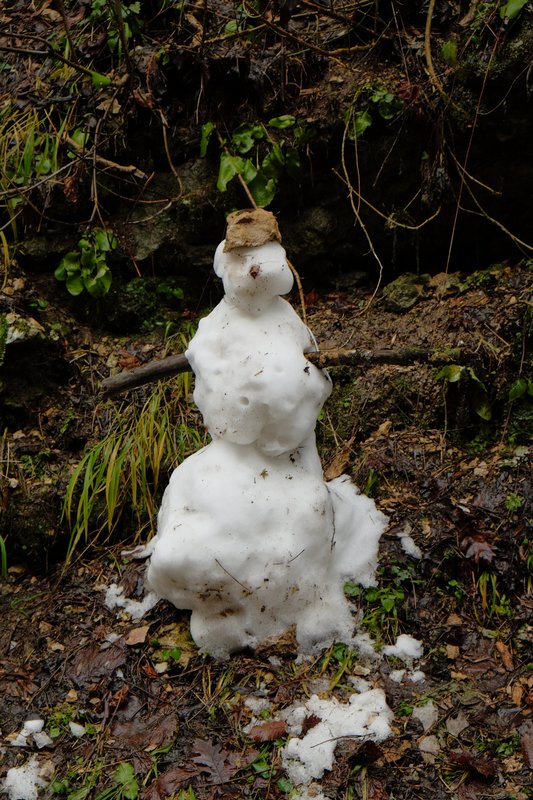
{"x":268,"y":731}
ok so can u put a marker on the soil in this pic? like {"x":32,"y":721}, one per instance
{"x":107,"y":138}
{"x":456,"y":482}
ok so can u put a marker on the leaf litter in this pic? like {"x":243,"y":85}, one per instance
{"x":187,"y":727}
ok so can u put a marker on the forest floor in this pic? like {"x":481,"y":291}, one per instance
{"x":131,"y":708}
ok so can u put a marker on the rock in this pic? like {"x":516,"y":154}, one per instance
{"x":404,"y":292}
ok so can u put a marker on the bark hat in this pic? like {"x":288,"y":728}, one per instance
{"x":251,"y":228}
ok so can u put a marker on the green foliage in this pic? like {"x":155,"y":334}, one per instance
{"x":475,"y":389}
{"x":493,"y":602}
{"x":449,"y":52}
{"x":513,"y":502}
{"x":86,"y":267}
{"x":107,"y":14}
{"x":512,"y":8}
{"x":258,"y":156}
{"x":30,"y":141}
{"x":122,"y":470}
{"x":371,"y":104}
{"x":125,"y":785}
{"x":520,"y":388}
{"x":3,"y":557}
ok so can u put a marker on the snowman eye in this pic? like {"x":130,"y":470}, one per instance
{"x":254,"y":271}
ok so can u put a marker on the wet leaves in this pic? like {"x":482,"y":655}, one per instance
{"x":213,"y":760}
{"x":268,"y":731}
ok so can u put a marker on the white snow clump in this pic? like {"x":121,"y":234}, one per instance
{"x":366,"y":715}
{"x":23,"y":783}
{"x":250,"y":536}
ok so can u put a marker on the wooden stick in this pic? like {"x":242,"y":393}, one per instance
{"x":172,"y":365}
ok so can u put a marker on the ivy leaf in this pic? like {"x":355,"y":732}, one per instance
{"x":450,"y":373}
{"x":512,"y":9}
{"x":229,"y":167}
{"x":248,"y":171}
{"x":263,"y":190}
{"x":361,"y":121}
{"x":104,"y":240}
{"x":207,"y":130}
{"x":285,"y":121}
{"x":517,"y":390}
{"x":75,"y":285}
{"x":244,"y":136}
{"x":273,"y":163}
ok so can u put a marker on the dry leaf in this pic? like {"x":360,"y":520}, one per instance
{"x":452,"y":651}
{"x":339,"y":462}
{"x":137,"y":635}
{"x":268,"y":731}
{"x":168,"y":783}
{"x":214,"y":761}
{"x":506,"y":655}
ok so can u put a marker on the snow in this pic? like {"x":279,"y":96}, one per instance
{"x":136,"y":609}
{"x":305,"y":758}
{"x":23,"y":783}
{"x":406,"y":648}
{"x":250,"y":536}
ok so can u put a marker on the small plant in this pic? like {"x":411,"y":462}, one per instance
{"x":123,"y":468}
{"x":474,"y":388}
{"x":125,"y":784}
{"x":371,"y":104}
{"x":513,"y":502}
{"x":121,"y":20}
{"x":86,"y":267}
{"x":260,"y":158}
{"x":493,"y":602}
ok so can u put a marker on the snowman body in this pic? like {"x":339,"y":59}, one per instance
{"x":250,"y":537}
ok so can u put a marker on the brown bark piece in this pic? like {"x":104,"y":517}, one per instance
{"x":251,"y":228}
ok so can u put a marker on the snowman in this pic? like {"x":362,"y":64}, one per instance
{"x":250,"y":537}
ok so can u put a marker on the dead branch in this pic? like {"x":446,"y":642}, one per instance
{"x":173,"y":365}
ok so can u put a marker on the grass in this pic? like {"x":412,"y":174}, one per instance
{"x":123,"y":471}
{"x":30,"y":142}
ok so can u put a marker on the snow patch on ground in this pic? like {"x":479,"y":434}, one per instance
{"x":305,"y":758}
{"x":136,"y":609}
{"x":23,"y":783}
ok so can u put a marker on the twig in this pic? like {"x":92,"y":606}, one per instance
{"x":173,"y":365}
{"x":129,"y":168}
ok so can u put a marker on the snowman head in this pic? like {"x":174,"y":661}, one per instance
{"x":253,"y":276}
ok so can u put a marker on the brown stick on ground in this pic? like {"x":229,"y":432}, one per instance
{"x":172,"y":365}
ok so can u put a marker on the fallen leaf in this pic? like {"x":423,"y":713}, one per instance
{"x":94,"y":662}
{"x":309,"y":722}
{"x":455,"y":725}
{"x":506,"y":655}
{"x":478,"y":549}
{"x":168,"y":783}
{"x":526,"y":743}
{"x":474,"y":762}
{"x":214,"y":761}
{"x":146,"y":733}
{"x":337,"y":465}
{"x":452,"y":651}
{"x":268,"y":731}
{"x":137,"y":635}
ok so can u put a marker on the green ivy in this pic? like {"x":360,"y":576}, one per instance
{"x":371,"y":104}
{"x":86,"y":267}
{"x":254,"y":152}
